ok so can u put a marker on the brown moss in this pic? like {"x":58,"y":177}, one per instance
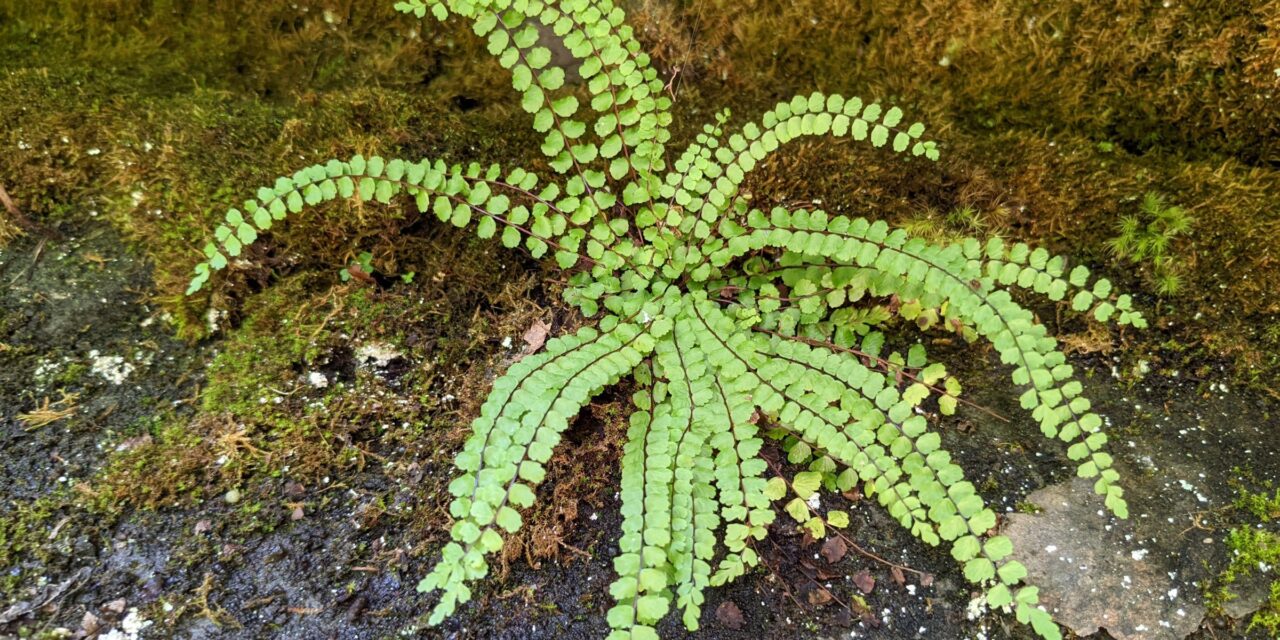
{"x":580,"y":475}
{"x":1199,"y":74}
{"x":1054,"y":119}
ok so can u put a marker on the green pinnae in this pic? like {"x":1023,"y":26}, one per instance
{"x":722,"y":313}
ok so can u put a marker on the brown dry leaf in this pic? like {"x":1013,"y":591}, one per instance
{"x":133,"y":443}
{"x":863,"y":580}
{"x":115,"y":606}
{"x":360,"y":274}
{"x":90,"y":623}
{"x":834,"y":549}
{"x":729,"y":615}
{"x":897,"y":576}
{"x":819,"y":597}
{"x":926,"y":580}
{"x":536,"y":336}
{"x":202,"y":526}
{"x":297,"y":513}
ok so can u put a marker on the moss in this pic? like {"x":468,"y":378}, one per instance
{"x":25,"y":535}
{"x":1251,"y":548}
{"x":1262,"y":506}
{"x":1036,"y":107}
{"x":1254,"y":546}
{"x":1027,"y":507}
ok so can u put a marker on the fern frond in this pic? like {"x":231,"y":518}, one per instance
{"x":1034,"y":269}
{"x":719,"y":310}
{"x":457,"y":194}
{"x":933,"y":274}
{"x":518,"y":427}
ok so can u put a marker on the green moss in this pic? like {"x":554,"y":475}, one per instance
{"x":1251,"y":548}
{"x":1252,"y":545}
{"x":71,"y":374}
{"x":24,"y":536}
{"x":1027,"y":507}
{"x":1263,"y":507}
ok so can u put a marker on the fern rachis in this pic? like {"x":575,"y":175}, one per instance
{"x":718,"y":310}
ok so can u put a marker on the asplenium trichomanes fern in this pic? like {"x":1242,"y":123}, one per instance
{"x":724,"y":315}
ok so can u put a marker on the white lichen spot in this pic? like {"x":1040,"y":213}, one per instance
{"x":213,"y":318}
{"x":113,"y":369}
{"x":814,"y":501}
{"x":129,"y":628}
{"x":317,"y":379}
{"x":378,"y":354}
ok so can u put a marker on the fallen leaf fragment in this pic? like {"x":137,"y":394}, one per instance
{"x":864,"y":581}
{"x":536,"y":336}
{"x":729,"y":615}
{"x":819,"y":597}
{"x":833,"y":550}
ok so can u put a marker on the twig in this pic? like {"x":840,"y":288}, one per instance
{"x":785,"y":588}
{"x":810,"y":578}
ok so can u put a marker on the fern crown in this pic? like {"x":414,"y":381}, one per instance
{"x":727,"y":316}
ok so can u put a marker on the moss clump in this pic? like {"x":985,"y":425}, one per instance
{"x":24,"y":536}
{"x":103,"y":121}
{"x":312,"y":381}
{"x":1254,"y":547}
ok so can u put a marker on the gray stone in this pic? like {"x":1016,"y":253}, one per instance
{"x":1094,"y":573}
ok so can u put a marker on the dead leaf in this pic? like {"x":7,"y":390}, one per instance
{"x":90,"y":623}
{"x":819,"y":597}
{"x":926,"y":580}
{"x":536,"y":336}
{"x":834,"y":549}
{"x":133,"y":443}
{"x":115,"y":606}
{"x":297,"y":513}
{"x":863,"y":580}
{"x":202,"y":526}
{"x":897,"y":576}
{"x":360,"y":274}
{"x":729,"y":615}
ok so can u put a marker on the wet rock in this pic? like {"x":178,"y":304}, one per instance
{"x":1250,"y":594}
{"x":1094,"y":573}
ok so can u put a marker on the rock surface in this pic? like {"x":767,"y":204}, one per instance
{"x":1095,"y":573}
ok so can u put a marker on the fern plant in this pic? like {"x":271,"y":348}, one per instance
{"x":729,"y":317}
